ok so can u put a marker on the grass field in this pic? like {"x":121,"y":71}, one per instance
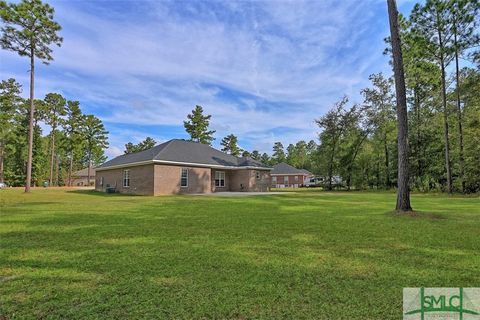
{"x":307,"y":255}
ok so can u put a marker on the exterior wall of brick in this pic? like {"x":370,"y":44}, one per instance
{"x":293,"y":181}
{"x":167,"y":180}
{"x":228,"y":178}
{"x":246,"y":180}
{"x":141,"y":180}
{"x":262,"y":183}
{"x":159,"y":179}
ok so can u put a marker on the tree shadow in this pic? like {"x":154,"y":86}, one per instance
{"x":417,"y":215}
{"x":98,"y":193}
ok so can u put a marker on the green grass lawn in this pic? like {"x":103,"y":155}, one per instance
{"x":307,"y":255}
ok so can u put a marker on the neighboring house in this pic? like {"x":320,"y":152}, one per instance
{"x":308,"y":173}
{"x":80,"y":177}
{"x":179,"y":166}
{"x":284,"y":176}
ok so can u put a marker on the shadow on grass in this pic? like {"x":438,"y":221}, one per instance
{"x":417,"y":215}
{"x":98,"y":193}
{"x":29,"y":204}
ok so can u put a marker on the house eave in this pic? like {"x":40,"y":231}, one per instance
{"x":179,"y":163}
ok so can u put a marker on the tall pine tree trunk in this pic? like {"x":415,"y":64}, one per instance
{"x":30,"y":122}
{"x":445,"y":129}
{"x":403,"y":192}
{"x":418,"y":120}
{"x":387,"y":162}
{"x":459,"y":116}
{"x":89,"y":167}
{"x":2,"y":155}
{"x":70,"y":168}
{"x":57,"y":170}
{"x":445,"y":113}
{"x":52,"y":157}
{"x":377,"y":171}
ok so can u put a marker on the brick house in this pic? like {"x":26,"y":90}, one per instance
{"x":80,"y":177}
{"x":285,"y":176}
{"x":179,"y":166}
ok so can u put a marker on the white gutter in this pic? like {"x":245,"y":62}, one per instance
{"x":203,"y":165}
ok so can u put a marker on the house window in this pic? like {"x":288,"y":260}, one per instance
{"x":285,"y":180}
{"x":274,"y":180}
{"x":219,"y":179}
{"x":184,"y":178}
{"x":126,"y":178}
{"x":101,"y":181}
{"x":258,"y":175}
{"x":296,"y":178}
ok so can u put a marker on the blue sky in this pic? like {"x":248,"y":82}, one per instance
{"x":263,"y":70}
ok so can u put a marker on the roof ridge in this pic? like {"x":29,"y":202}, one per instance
{"x":167,"y":144}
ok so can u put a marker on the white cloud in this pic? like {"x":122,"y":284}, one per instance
{"x":113,"y":152}
{"x":255,"y":66}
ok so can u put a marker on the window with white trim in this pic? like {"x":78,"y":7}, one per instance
{"x":257,"y":175}
{"x":274,"y":180}
{"x":126,"y":178}
{"x":219,"y":178}
{"x":101,"y":181}
{"x":184,"y":178}
{"x":296,"y":178}
{"x":285,"y":180}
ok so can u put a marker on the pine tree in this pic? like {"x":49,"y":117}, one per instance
{"x":465,"y":35}
{"x":197,"y":126}
{"x":146,"y":144}
{"x":54,"y":111}
{"x":403,"y":192}
{"x":230,"y":145}
{"x":432,"y":23}
{"x":96,"y":140}
{"x":278,"y":153}
{"x":255,"y":155}
{"x":379,"y":109}
{"x":265,"y":159}
{"x":73,"y":135}
{"x":9,"y":103}
{"x":29,"y":30}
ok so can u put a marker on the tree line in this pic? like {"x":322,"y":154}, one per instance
{"x":75,"y":141}
{"x":197,"y":126}
{"x":359,"y":141}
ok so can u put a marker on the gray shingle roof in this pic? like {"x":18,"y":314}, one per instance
{"x":283,"y":168}
{"x":177,"y":150}
{"x":307,"y":172}
{"x":84,"y":172}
